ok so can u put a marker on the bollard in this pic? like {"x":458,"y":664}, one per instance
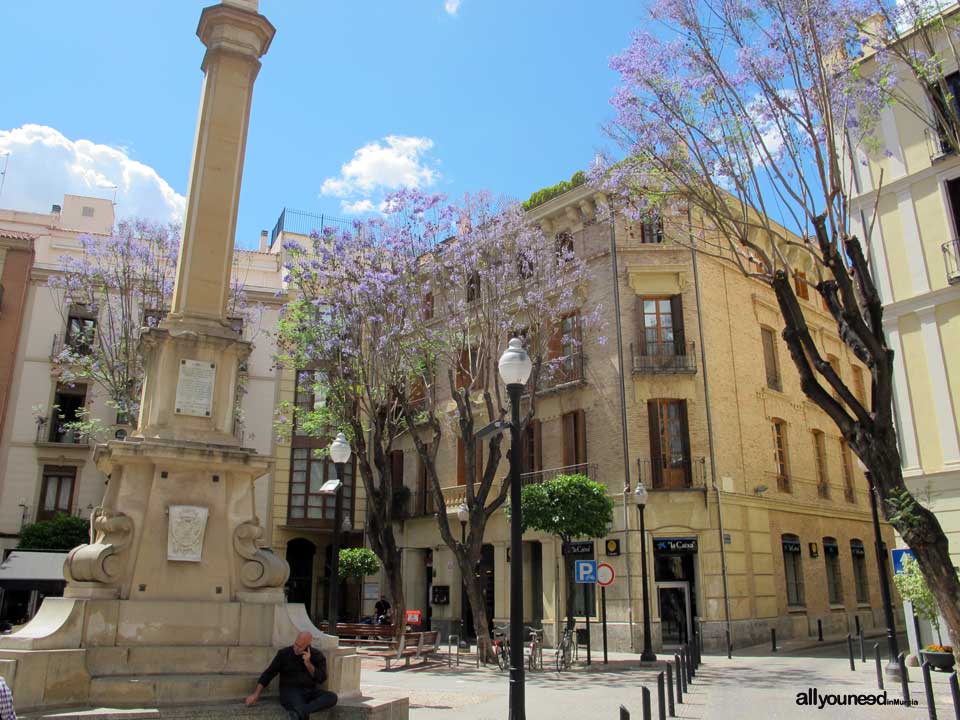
{"x":773,"y":639}
{"x":624,"y":713}
{"x":955,"y":691}
{"x":684,"y":676}
{"x":928,"y":690}
{"x":863,"y":651}
{"x":856,"y":623}
{"x":661,"y":701}
{"x":678,"y":665}
{"x":646,"y":702}
{"x":819,"y":630}
{"x":690,"y":664}
{"x":853,"y":663}
{"x":729,"y":646}
{"x":670,"y":708}
{"x":904,"y":678}
{"x":698,"y":642}
{"x":876,"y":657}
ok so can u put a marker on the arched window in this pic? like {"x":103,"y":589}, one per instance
{"x":831,"y":554}
{"x":820,"y":460}
{"x":859,"y":557}
{"x":793,"y":570}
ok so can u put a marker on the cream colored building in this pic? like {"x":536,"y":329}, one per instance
{"x":44,"y":469}
{"x":915,"y":257}
{"x":796,"y":530}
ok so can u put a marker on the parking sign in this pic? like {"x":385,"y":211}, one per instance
{"x":585,"y":571}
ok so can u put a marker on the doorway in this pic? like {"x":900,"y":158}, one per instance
{"x":676,"y":626}
{"x":300,"y":554}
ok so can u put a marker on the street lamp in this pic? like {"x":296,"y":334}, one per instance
{"x":640,"y":497}
{"x":340,"y":454}
{"x":463,"y":514}
{"x":515,"y":367}
{"x":893,"y":665}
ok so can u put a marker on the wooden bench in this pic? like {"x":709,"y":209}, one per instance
{"x":411,"y":645}
{"x":362,"y":633}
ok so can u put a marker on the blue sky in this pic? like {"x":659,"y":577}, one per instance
{"x":507,"y":96}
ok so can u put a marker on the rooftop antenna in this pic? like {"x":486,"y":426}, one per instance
{"x":3,"y":175}
{"x":110,"y":186}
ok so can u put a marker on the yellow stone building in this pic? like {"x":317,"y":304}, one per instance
{"x":741,"y":468}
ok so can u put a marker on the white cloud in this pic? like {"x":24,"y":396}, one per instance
{"x":451,"y":6}
{"x":375,"y":168}
{"x":44,"y":165}
{"x":357,"y":207}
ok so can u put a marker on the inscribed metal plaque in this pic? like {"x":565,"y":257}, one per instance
{"x":195,"y":388}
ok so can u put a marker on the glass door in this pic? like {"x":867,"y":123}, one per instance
{"x":675,"y":619}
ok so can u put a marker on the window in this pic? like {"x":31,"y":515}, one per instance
{"x":564,"y":247}
{"x":308,"y":473}
{"x":468,"y":369}
{"x":846,"y":461}
{"x":793,"y":570}
{"x":651,"y":230}
{"x":70,"y":401}
{"x":574,"y":439}
{"x":943,"y":116}
{"x":669,"y":444}
{"x":424,"y":502}
{"x":859,"y":389}
{"x":831,"y":554}
{"x":820,"y":456}
{"x":800,"y":285}
{"x":859,"y":557}
{"x":532,"y":451}
{"x":564,"y":347}
{"x":525,"y":265}
{"x":81,"y":329}
{"x":584,"y":594}
{"x":427,"y":307}
{"x":462,"y":461}
{"x":396,"y":468}
{"x":770,"y":363}
{"x":835,"y":365}
{"x":56,"y":492}
{"x":660,"y":326}
{"x":780,"y":455}
{"x":473,"y":287}
{"x":87,"y":211}
{"x":309,"y":395}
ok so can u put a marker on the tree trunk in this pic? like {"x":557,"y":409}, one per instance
{"x":478,"y":608}
{"x":570,"y":594}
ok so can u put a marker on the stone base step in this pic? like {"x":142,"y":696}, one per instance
{"x":150,"y":690}
{"x":360,"y":708}
{"x":171,"y":660}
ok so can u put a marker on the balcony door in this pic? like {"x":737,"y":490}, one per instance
{"x":669,"y":443}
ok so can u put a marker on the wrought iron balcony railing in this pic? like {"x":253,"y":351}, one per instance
{"x":539,"y":476}
{"x":561,"y":371}
{"x":80,"y":345}
{"x":673,"y":472}
{"x":670,"y":356}
{"x":58,"y":432}
{"x":951,"y":259}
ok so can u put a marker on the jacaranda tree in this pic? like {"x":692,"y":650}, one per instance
{"x":739,"y":120}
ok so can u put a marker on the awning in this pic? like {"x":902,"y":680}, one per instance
{"x":32,"y":566}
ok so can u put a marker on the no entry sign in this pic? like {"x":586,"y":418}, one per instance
{"x":605,"y":574}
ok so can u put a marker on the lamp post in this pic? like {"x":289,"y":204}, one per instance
{"x":515,"y":367}
{"x":463,"y":514}
{"x":340,"y":454}
{"x":892,"y":668}
{"x":640,"y":497}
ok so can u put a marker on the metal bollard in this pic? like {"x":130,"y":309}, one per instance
{"x":819,"y":630}
{"x":645,"y":695}
{"x":853,"y":663}
{"x":773,"y":639}
{"x":876,"y":657}
{"x":856,"y":623}
{"x":684,"y":676}
{"x":863,"y":648}
{"x":729,"y":646}
{"x":904,"y":678}
{"x":661,"y":701}
{"x":928,"y":689}
{"x":691,"y":665}
{"x":955,"y":692}
{"x":678,"y":665}
{"x":624,"y":713}
{"x":670,"y":708}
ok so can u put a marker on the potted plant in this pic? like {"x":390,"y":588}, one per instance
{"x":913,"y":588}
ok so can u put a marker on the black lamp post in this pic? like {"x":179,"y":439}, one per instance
{"x":892,"y":668}
{"x":463,"y":514}
{"x":640,"y":497}
{"x":340,"y":454}
{"x":515,"y":366}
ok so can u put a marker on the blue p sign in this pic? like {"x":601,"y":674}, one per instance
{"x":585,"y":571}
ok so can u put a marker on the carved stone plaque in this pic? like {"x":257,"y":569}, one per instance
{"x":195,"y":388}
{"x":185,"y":532}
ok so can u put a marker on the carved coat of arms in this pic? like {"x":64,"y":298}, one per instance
{"x":185,"y":534}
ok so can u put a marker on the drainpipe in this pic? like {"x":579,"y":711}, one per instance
{"x":706,"y":394}
{"x":623,"y":421}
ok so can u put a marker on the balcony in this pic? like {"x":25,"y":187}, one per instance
{"x":951,"y":259}
{"x":455,"y":495}
{"x":673,"y":472}
{"x":560,"y":372}
{"x":667,"y":357}
{"x":77,"y":345}
{"x":57,"y":433}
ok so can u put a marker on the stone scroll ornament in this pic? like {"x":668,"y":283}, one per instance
{"x":262,"y":568}
{"x":185,"y":532}
{"x":99,"y":561}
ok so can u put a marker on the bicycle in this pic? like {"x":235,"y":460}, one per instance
{"x":535,"y":658}
{"x":566,"y":649}
{"x":501,"y":648}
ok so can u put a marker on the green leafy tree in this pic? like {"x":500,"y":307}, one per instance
{"x":571,"y":507}
{"x":358,"y":562}
{"x":63,"y":532}
{"x":913,"y":588}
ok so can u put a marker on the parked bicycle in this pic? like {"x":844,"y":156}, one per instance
{"x":501,"y":647}
{"x":535,"y":656}
{"x":566,"y":649}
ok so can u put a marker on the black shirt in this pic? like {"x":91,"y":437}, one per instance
{"x":293,"y":673}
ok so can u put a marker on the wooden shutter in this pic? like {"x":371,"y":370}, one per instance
{"x":581,"y":436}
{"x":569,"y":439}
{"x":537,"y":446}
{"x":676,"y":309}
{"x":461,"y":464}
{"x":641,"y":330}
{"x":656,"y":459}
{"x":555,"y":344}
{"x":396,"y":468}
{"x":685,"y":444}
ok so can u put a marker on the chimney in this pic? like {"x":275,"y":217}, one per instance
{"x":55,"y":210}
{"x":264,"y":241}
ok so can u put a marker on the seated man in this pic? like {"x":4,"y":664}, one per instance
{"x":302,"y":670}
